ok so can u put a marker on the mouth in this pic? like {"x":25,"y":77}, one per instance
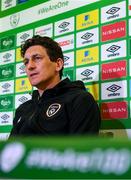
{"x":33,"y":74}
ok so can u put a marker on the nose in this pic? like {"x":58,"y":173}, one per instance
{"x":31,"y":64}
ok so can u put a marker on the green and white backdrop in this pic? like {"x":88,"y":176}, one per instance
{"x":95,"y":37}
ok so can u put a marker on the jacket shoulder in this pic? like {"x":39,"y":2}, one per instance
{"x":25,"y":105}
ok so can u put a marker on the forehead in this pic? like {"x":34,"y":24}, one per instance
{"x":36,"y":49}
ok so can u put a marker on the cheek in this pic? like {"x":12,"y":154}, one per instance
{"x":51,"y":67}
{"x":47,"y":68}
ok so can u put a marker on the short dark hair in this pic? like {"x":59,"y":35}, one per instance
{"x":53,"y":49}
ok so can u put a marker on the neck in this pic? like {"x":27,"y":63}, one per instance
{"x":47,"y":86}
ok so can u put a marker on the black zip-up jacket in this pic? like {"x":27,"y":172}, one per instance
{"x":66,"y":109}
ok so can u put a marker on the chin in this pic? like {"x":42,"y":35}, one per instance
{"x":34,"y":83}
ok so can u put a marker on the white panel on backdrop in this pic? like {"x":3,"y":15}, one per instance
{"x":113,"y":50}
{"x":7,"y":57}
{"x":113,"y":90}
{"x":46,"y":30}
{"x":4,"y":136}
{"x":21,"y":98}
{"x":23,"y":36}
{"x":64,"y":26}
{"x":69,"y":59}
{"x":87,"y":37}
{"x":66,"y":42}
{"x":129,"y":27}
{"x":113,"y":12}
{"x":7,"y":4}
{"x":128,"y":132}
{"x":7,"y":87}
{"x":6,"y":118}
{"x":20,"y":69}
{"x":88,"y":74}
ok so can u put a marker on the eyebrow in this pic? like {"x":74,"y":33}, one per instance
{"x":33,"y":56}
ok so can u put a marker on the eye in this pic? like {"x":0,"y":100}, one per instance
{"x":25,"y":61}
{"x":37,"y":58}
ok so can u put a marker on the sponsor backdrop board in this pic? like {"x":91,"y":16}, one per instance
{"x":96,"y":41}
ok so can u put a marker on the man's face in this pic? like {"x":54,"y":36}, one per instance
{"x":39,"y":68}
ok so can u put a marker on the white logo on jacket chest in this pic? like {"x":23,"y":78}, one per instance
{"x":53,"y":109}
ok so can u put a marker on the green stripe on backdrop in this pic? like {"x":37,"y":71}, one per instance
{"x":5,"y":129}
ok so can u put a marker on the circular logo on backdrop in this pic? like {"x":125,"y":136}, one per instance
{"x":14,"y":20}
{"x":53,"y":109}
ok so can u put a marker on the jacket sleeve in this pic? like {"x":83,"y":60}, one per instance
{"x":85,"y":115}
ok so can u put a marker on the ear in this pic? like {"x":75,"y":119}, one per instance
{"x":59,"y":64}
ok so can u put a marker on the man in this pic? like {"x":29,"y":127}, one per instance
{"x":58,"y":107}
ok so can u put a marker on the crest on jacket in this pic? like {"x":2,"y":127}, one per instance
{"x":53,"y":109}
